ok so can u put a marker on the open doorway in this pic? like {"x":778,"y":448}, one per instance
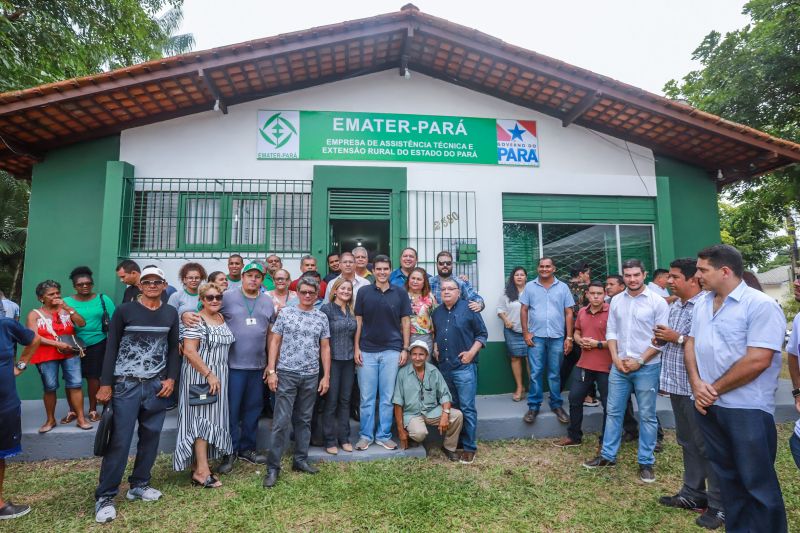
{"x":371,"y":234}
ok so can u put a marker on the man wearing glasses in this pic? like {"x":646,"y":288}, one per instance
{"x":141,"y":364}
{"x":444,"y":269}
{"x":347,"y":263}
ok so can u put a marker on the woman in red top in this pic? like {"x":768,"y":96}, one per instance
{"x":52,"y":319}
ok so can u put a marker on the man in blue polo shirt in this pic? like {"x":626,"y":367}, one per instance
{"x":545,"y":316}
{"x":381,"y":346}
{"x":733,"y":358}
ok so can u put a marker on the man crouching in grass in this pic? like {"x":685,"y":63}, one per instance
{"x":421,"y":398}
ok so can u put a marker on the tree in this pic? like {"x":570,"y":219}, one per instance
{"x":751,"y":76}
{"x":14,"y":195}
{"x":43,"y":41}
{"x":753,"y":234}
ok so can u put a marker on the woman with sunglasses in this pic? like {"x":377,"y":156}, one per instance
{"x":281,"y":295}
{"x":203,"y":430}
{"x":93,"y":308}
{"x":54,"y":319}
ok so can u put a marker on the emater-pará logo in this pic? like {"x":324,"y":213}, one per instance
{"x":277,"y":130}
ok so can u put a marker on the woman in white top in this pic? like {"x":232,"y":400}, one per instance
{"x":508,"y":309}
{"x":281,"y":295}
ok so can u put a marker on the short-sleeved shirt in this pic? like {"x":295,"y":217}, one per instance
{"x":46,"y":325}
{"x":9,"y":308}
{"x":747,"y":318}
{"x":249,"y":320}
{"x":593,"y":325}
{"x":546,"y":308}
{"x":301,"y":333}
{"x":664,"y":293}
{"x":674,"y":378}
{"x":234,"y":283}
{"x":631,"y":320}
{"x":421,"y":309}
{"x":793,"y":349}
{"x":92,"y":313}
{"x":184,"y":302}
{"x":11,"y":333}
{"x":511,"y":310}
{"x":343,"y":331}
{"x":381,"y":315}
{"x":407,"y":395}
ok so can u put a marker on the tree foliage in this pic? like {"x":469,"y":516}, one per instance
{"x":747,"y":228}
{"x":43,"y":41}
{"x":752,"y":76}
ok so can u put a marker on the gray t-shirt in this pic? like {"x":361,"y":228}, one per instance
{"x":249,"y":320}
{"x":301,"y":332}
{"x":184,"y":302}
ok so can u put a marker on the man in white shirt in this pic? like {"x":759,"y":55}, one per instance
{"x":632,"y":319}
{"x":347,"y":263}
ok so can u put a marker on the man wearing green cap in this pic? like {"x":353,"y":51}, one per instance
{"x":248,"y":314}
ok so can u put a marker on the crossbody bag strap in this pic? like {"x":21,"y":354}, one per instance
{"x":48,"y":324}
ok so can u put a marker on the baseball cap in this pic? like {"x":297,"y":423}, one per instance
{"x":419,"y":343}
{"x":153,"y":271}
{"x":252,"y":266}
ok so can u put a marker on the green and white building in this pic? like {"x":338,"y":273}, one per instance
{"x":397,"y":130}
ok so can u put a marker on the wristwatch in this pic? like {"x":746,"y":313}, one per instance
{"x":639,"y":360}
{"x":72,"y":312}
{"x":271,"y":372}
{"x":21,"y":365}
{"x":681,"y":340}
{"x":446,"y":411}
{"x":795,"y":392}
{"x":599,"y":344}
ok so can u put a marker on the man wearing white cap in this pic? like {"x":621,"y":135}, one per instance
{"x":421,"y":398}
{"x":141,"y":364}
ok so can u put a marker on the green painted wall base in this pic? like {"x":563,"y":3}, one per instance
{"x":494,"y":370}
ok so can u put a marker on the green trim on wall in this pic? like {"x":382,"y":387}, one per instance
{"x":579,"y":209}
{"x":665,"y":241}
{"x":68,"y":226}
{"x":116,"y":172}
{"x":694,"y":216}
{"x":351,"y":177}
{"x":494,"y":370}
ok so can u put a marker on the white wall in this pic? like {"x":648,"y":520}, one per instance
{"x":574,"y":160}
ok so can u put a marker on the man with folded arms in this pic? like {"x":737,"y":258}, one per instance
{"x":421,"y":398}
{"x":733,"y":358}
{"x":141,"y":364}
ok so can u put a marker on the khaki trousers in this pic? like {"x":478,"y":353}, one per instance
{"x":417,"y":428}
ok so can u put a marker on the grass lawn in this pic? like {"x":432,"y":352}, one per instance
{"x":512,"y":486}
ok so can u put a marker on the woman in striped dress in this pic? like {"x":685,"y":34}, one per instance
{"x":203,"y":430}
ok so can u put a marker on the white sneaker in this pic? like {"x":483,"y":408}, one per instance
{"x":145,"y":493}
{"x":104,"y":511}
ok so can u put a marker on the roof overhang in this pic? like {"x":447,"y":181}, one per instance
{"x":36,"y":120}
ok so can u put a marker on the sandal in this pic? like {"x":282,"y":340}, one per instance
{"x":347,"y":447}
{"x":94,"y":416}
{"x":332,"y":450}
{"x":87,"y":427}
{"x":71,"y":417}
{"x":210,"y":483}
{"x":516,"y":397}
{"x":47,"y":427}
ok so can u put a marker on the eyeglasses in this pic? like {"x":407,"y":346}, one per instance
{"x":213,"y":297}
{"x":192,"y":278}
{"x":307,"y":293}
{"x":152,"y":282}
{"x":281,"y":279}
{"x":445,"y":263}
{"x":84,"y":284}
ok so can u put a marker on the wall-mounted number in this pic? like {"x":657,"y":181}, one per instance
{"x":445,"y":221}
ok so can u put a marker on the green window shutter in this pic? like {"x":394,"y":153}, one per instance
{"x":590,"y":209}
{"x":360,"y":204}
{"x":521,"y":247}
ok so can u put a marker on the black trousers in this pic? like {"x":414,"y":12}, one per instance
{"x":336,"y":413}
{"x":583,"y":383}
{"x":568,"y":364}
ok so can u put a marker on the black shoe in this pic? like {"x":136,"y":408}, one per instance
{"x":646,"y":473}
{"x":711,"y":519}
{"x":682,"y":502}
{"x":172,"y":406}
{"x":9,"y":511}
{"x":252,"y":457}
{"x":270,"y":479}
{"x":629,"y":437}
{"x":599,"y":462}
{"x":530,"y":416}
{"x":561,"y":415}
{"x":304,"y":467}
{"x":226,"y":465}
{"x":453,"y":456}
{"x":355,"y":415}
{"x":659,"y":447}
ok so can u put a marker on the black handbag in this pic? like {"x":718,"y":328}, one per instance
{"x":78,"y":346}
{"x":199,"y":394}
{"x":105,"y":320}
{"x":103,"y":435}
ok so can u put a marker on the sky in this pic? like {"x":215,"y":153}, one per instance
{"x":641,"y":42}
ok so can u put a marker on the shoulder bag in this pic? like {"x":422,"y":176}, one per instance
{"x":76,"y":344}
{"x":105,"y":320}
{"x":103,"y":435}
{"x":199,"y":394}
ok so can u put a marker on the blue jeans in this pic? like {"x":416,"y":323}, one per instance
{"x":794,"y":445}
{"x":644,"y":383}
{"x":376,"y":377}
{"x":545,"y":352}
{"x":133,"y":402}
{"x":245,"y":401}
{"x":70,"y":371}
{"x":463,"y":385}
{"x":741,"y":446}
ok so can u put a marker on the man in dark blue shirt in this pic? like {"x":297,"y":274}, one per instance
{"x":381,"y":346}
{"x":460,"y":334}
{"x":11,"y":334}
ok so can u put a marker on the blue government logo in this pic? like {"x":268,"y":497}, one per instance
{"x":277,"y":130}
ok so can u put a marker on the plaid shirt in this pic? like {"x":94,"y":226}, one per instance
{"x":674,"y":379}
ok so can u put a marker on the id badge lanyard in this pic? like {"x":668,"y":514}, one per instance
{"x":250,"y":320}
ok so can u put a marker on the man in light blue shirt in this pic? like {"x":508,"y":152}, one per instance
{"x":793,"y":349}
{"x":733,"y":358}
{"x":545,"y":317}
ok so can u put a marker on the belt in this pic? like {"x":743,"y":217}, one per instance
{"x":122,"y":379}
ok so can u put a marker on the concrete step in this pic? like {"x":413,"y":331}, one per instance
{"x":499,"y":418}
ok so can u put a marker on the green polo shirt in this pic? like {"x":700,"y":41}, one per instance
{"x":268,"y":283}
{"x":407,"y":392}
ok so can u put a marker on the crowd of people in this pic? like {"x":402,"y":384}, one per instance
{"x":399,"y":349}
